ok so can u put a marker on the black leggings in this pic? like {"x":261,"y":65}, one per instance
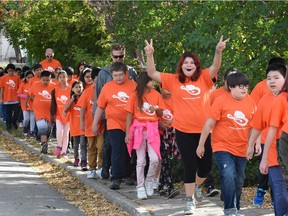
{"x":187,"y":145}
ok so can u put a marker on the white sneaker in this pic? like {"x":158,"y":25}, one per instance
{"x":98,"y":172}
{"x":149,"y":187}
{"x":20,"y":125}
{"x":155,"y":184}
{"x":141,"y":193}
{"x":91,"y":174}
{"x":189,"y":207}
{"x":198,"y":193}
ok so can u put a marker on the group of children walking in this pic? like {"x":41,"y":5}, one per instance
{"x":179,"y":118}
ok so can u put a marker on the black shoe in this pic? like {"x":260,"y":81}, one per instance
{"x":173,"y":193}
{"x":115,"y":185}
{"x":211,"y":192}
{"x":15,"y":126}
{"x":44,"y":148}
{"x":163,"y":192}
{"x":104,"y":174}
{"x":129,"y":181}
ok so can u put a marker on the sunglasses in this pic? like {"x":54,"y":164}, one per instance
{"x":118,"y":56}
{"x":49,"y":56}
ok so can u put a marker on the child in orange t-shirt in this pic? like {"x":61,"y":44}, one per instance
{"x":230,"y":117}
{"x":113,"y":99}
{"x":76,"y":133}
{"x":95,"y":143}
{"x":28,"y":114}
{"x":275,"y":80}
{"x":40,"y":93}
{"x":86,"y":78}
{"x":145,"y":107}
{"x":60,"y":96}
{"x":8,"y":96}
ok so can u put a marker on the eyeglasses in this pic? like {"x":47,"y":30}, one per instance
{"x":118,"y":56}
{"x":244,"y":86}
{"x":49,"y":56}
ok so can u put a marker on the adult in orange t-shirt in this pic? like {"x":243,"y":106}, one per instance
{"x":113,"y":99}
{"x":50,"y":64}
{"x":40,"y":93}
{"x":230,"y":117}
{"x":8,"y":96}
{"x":275,"y":79}
{"x":190,"y":88}
{"x":95,"y":143}
{"x":28,"y":114}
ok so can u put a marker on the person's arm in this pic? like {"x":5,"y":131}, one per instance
{"x":268,"y":143}
{"x":251,"y":143}
{"x":97,"y":117}
{"x":151,"y":69}
{"x":1,"y":95}
{"x":128,"y":124}
{"x":214,"y":68}
{"x":209,"y":125}
{"x":69,"y":104}
{"x":82,"y":118}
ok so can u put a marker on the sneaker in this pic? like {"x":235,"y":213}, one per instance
{"x":173,"y":193}
{"x":149,"y":187}
{"x":129,"y":181}
{"x":104,"y":174}
{"x":259,"y":197}
{"x":31,"y":135}
{"x":115,"y":184}
{"x":15,"y":125}
{"x":163,"y":192}
{"x":57,"y":151}
{"x":76,"y":162}
{"x":64,"y":156}
{"x":198,"y":193}
{"x":20,"y":125}
{"x":91,"y":174}
{"x":190,"y":206}
{"x":239,"y":213}
{"x":25,"y":131}
{"x":141,"y":193}
{"x":211,"y":191}
{"x":98,"y":172}
{"x":44,"y":148}
{"x":155,"y":184}
{"x":83,"y":166}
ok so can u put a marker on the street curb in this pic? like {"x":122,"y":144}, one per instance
{"x":117,"y":198}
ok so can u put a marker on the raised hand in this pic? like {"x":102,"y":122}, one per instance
{"x":221,"y":44}
{"x":149,"y":50}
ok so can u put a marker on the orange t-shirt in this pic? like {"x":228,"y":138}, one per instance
{"x":55,"y":81}
{"x":168,"y":112}
{"x":151,"y":98}
{"x":62,"y":98}
{"x":259,"y":91}
{"x":87,"y":86}
{"x":278,"y":113}
{"x":233,"y":118}
{"x":191,"y":100}
{"x":217,"y":93}
{"x":113,"y":98}
{"x":41,"y":100}
{"x":86,"y":101}
{"x":23,"y":89}
{"x":74,"y":118}
{"x":10,"y":85}
{"x":260,"y":121}
{"x":72,"y":81}
{"x":50,"y":66}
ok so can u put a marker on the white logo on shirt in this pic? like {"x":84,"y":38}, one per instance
{"x":49,"y":68}
{"x":11,"y":83}
{"x":91,"y":102}
{"x":63,"y":99}
{"x":167,"y":114}
{"x":239,"y":118}
{"x":146,"y":107}
{"x":45,"y":94}
{"x":122,"y":96}
{"x":77,"y":108}
{"x":191,"y":89}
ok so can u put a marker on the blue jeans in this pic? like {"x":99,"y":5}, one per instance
{"x":120,"y":157}
{"x":279,"y":188}
{"x":232,"y":175}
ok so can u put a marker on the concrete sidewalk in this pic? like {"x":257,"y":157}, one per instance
{"x":156,"y":205}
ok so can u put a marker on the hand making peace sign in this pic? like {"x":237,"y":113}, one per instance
{"x":221,"y":44}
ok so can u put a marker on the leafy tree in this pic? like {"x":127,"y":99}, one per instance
{"x":73,"y":29}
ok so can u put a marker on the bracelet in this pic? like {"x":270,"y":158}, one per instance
{"x":217,"y":52}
